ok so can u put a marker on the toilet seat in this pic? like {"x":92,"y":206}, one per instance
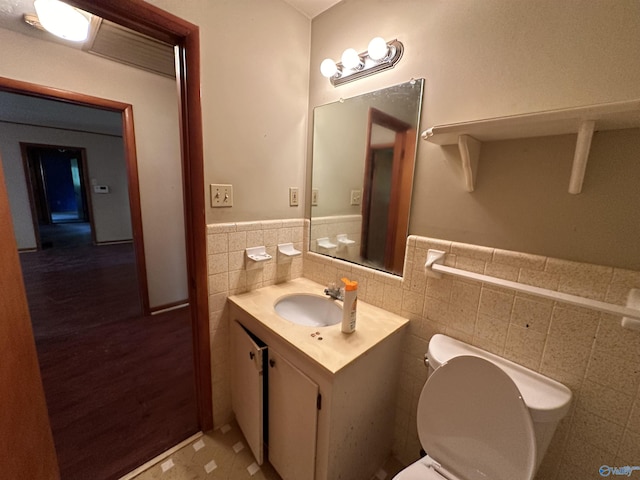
{"x":473,"y":422}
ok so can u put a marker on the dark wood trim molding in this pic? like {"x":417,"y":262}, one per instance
{"x":129,"y":140}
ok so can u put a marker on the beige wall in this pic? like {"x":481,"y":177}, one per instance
{"x":505,"y":57}
{"x":255,"y":82}
{"x":155,"y":111}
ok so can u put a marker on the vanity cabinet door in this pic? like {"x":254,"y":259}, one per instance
{"x":247,"y":387}
{"x":293,"y":420}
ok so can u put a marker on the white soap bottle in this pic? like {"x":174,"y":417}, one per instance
{"x":349,"y":305}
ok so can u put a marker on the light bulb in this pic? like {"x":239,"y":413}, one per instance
{"x":328,"y":68}
{"x":351,"y":59}
{"x":62,"y":20}
{"x":378,"y":48}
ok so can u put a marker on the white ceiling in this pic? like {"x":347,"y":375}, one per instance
{"x":312,"y":8}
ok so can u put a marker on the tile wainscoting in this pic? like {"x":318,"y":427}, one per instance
{"x":228,"y":275}
{"x":586,"y":350}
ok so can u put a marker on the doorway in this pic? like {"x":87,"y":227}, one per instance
{"x":57,"y":183}
{"x":386,"y":195}
{"x":152,"y":21}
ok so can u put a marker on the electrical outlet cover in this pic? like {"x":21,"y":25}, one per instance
{"x":356,"y":197}
{"x":294,"y":195}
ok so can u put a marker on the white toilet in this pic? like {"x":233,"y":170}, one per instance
{"x":483,"y":417}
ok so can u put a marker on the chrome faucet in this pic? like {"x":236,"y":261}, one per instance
{"x":334,"y":292}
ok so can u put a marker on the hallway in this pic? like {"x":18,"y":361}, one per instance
{"x":119,"y":385}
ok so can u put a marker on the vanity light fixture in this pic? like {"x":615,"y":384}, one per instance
{"x":62,"y":20}
{"x":379,"y":56}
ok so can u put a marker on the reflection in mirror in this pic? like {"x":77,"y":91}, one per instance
{"x":363,"y":161}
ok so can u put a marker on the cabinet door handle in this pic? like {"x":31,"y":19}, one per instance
{"x":272,"y":363}
{"x":252,"y":355}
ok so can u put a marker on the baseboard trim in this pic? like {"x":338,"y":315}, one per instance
{"x":169,"y":306}
{"x":113,"y":242}
{"x":154,"y":461}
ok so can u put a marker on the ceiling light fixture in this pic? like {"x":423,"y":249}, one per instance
{"x":62,"y":20}
{"x":380,"y":55}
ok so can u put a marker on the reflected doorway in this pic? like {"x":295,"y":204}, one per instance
{"x":388,"y":179}
{"x":57,"y":183}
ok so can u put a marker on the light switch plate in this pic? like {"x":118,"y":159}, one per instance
{"x":314,"y":197}
{"x":356,"y":197}
{"x":294,"y":196}
{"x":221,"y":195}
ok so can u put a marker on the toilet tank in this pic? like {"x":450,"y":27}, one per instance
{"x":548,"y":400}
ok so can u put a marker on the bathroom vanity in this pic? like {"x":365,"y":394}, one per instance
{"x":321,"y":400}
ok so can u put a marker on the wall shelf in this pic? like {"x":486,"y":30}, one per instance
{"x":581,"y":120}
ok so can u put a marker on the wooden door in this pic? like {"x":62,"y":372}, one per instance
{"x":26,"y":442}
{"x":293,"y":420}
{"x":247,"y":388}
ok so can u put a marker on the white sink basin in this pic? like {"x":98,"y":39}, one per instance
{"x":309,"y":310}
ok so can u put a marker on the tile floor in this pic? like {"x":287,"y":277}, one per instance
{"x":224,"y":454}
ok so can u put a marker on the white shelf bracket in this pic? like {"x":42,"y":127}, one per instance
{"x":469,"y":154}
{"x":583,"y":145}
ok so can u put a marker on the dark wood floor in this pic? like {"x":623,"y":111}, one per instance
{"x":119,"y":385}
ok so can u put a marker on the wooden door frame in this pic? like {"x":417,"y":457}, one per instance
{"x":378,"y":117}
{"x":152,"y":21}
{"x":28,"y":173}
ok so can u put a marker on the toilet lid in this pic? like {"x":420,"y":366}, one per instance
{"x":473,"y":421}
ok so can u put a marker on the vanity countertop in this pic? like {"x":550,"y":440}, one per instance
{"x":336,"y":349}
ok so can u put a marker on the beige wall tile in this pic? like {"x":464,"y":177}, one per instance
{"x":605,"y":402}
{"x":412,"y":302}
{"x":255,"y":238}
{"x":218,"y":283}
{"x":470,"y":264}
{"x":439,"y":288}
{"x":499,"y":270}
{"x":563,"y":354}
{"x":221,"y":228}
{"x":525,"y":346}
{"x":217,"y":243}
{"x":237,"y":241}
{"x":247,"y":226}
{"x":576,"y":326}
{"x":532,"y":314}
{"x":614,"y":371}
{"x":518,"y":259}
{"x":582,"y":460}
{"x":497,"y":303}
{"x":539,"y":279}
{"x":392,"y":298}
{"x":476,"y":252}
{"x":437,"y":310}
{"x":218,"y":263}
{"x":597,"y":431}
{"x":493,"y":329}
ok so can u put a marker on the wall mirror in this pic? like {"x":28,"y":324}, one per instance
{"x":364,"y":151}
